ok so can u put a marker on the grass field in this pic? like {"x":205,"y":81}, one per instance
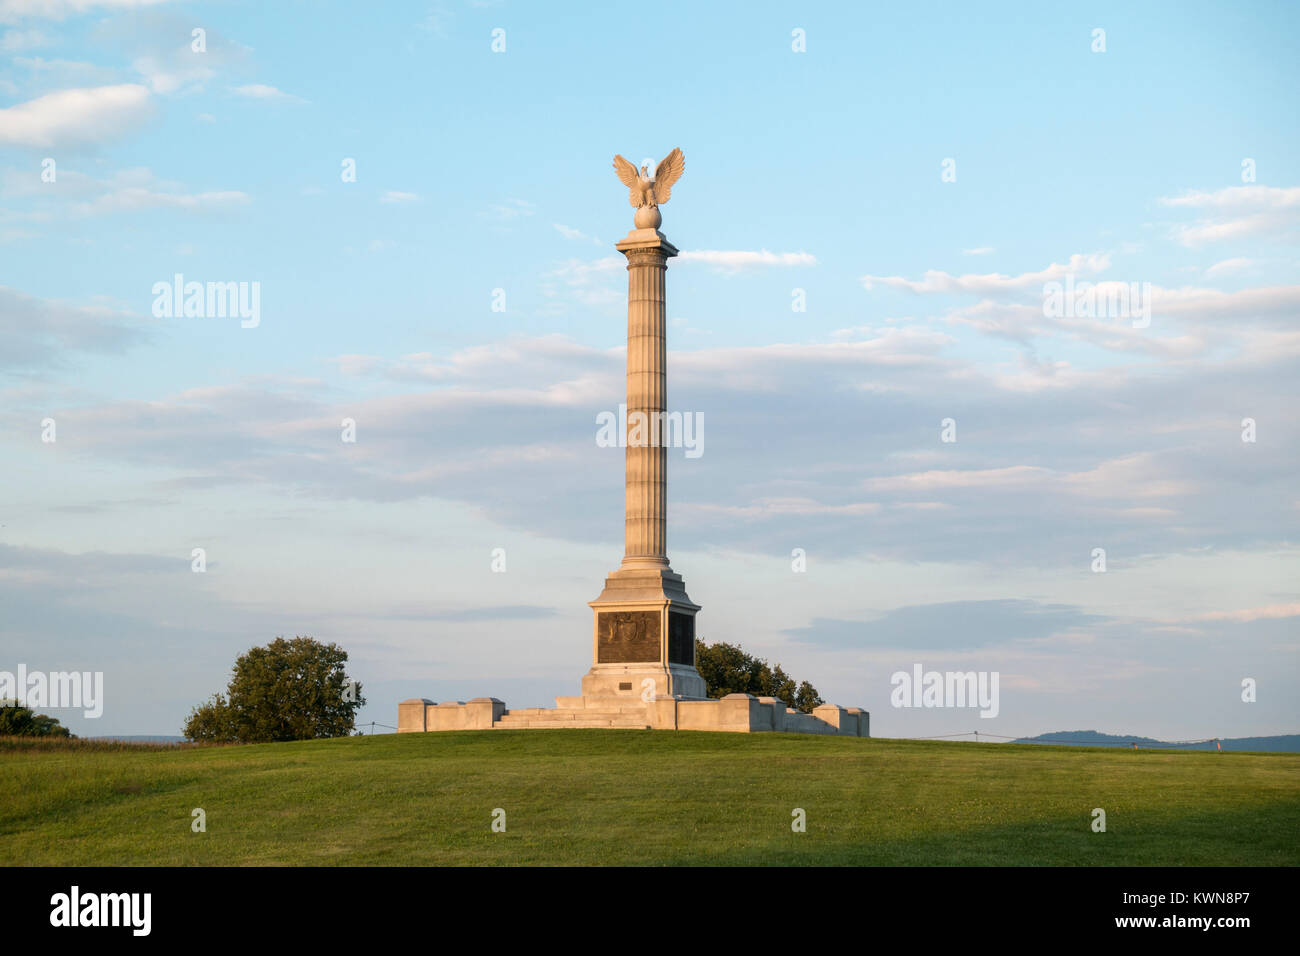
{"x":643,"y":798}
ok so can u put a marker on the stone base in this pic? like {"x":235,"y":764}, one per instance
{"x":636,"y":654}
{"x":735,"y":713}
{"x":640,"y":682}
{"x":644,"y":584}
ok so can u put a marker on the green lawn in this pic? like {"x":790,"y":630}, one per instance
{"x":644,"y":798}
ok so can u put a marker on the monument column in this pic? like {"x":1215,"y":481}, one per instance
{"x":645,"y":542}
{"x":643,"y":642}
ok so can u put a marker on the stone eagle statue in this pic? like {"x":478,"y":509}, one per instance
{"x":644,"y":191}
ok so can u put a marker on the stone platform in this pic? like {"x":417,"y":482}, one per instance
{"x":735,"y":713}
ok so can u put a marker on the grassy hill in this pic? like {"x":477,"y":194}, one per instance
{"x":642,"y":798}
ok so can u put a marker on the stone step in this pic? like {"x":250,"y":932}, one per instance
{"x":587,"y":723}
{"x":624,"y":705}
{"x":568,"y":718}
{"x":571,"y":711}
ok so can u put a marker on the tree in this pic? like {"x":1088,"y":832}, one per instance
{"x":727,"y":669}
{"x":16,"y":721}
{"x":289,"y":690}
{"x":806,"y":698}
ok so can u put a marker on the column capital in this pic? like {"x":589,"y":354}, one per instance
{"x":646,"y":240}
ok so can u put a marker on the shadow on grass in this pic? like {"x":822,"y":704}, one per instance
{"x":1209,"y":838}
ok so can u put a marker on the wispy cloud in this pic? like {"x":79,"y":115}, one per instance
{"x":1237,"y":212}
{"x":511,"y":209}
{"x":36,"y":334}
{"x":438,"y":21}
{"x":576,"y":234}
{"x":12,"y":11}
{"x":14,"y":40}
{"x":122,"y":191}
{"x":76,"y":116}
{"x":141,"y":197}
{"x":991,"y":283}
{"x":1229,"y":267}
{"x":260,"y":91}
{"x":586,"y":281}
{"x":728,"y":260}
{"x":1270,"y":612}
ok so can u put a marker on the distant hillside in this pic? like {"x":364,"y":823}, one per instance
{"x":1286,"y":743}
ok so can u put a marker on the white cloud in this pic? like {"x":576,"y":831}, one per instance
{"x":511,"y":209}
{"x":501,"y":426}
{"x":191,"y":70}
{"x":1024,"y":322}
{"x":1237,"y":212}
{"x":587,"y":281}
{"x":260,"y":91}
{"x":15,"y":40}
{"x":1271,"y":612}
{"x":438,"y":21}
{"x":1229,"y":266}
{"x":1241,"y":228}
{"x":781,"y":507}
{"x":1012,"y":307}
{"x":1262,"y":303}
{"x":978,"y":251}
{"x":1132,"y":476}
{"x":393,"y":196}
{"x":11,"y":11}
{"x":992,"y":283}
{"x":131,"y":198}
{"x":576,"y":234}
{"x":75,"y":117}
{"x":1238,"y":198}
{"x":39,"y":333}
{"x":584,"y":271}
{"x":1015,"y":476}
{"x":59,"y":73}
{"x":124,"y":190}
{"x":736,"y":260}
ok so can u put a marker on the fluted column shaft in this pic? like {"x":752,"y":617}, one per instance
{"x":646,"y":505}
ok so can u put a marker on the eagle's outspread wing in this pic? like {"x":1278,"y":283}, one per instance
{"x":670,"y":169}
{"x":630,"y":178}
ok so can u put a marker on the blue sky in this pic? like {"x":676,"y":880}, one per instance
{"x":816,"y":170}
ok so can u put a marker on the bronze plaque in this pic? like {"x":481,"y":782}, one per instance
{"x":681,"y":638}
{"x":627,"y":637}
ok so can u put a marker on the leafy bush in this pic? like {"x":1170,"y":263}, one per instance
{"x":289,"y":690}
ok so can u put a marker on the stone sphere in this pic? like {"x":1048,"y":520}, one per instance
{"x":647,"y":217}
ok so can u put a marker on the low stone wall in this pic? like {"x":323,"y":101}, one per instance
{"x":735,"y":713}
{"x":419,"y":714}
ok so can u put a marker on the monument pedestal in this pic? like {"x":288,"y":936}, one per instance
{"x":643,"y":638}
